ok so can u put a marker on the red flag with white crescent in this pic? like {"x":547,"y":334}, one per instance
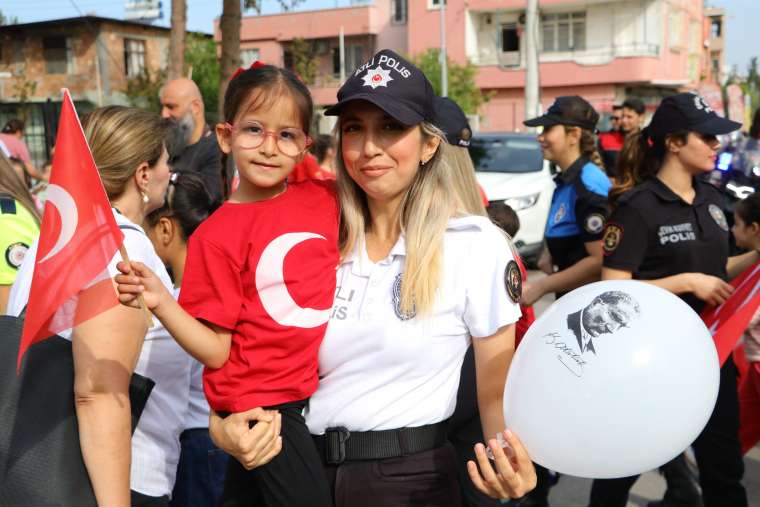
{"x":728,"y":321}
{"x":78,"y":239}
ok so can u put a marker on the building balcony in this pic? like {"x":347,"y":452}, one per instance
{"x":589,"y":56}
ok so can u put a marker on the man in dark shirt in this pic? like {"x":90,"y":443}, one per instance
{"x":198,"y":150}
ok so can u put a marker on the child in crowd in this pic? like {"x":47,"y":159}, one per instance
{"x":747,"y":234}
{"x":259,"y":284}
{"x":201,"y":469}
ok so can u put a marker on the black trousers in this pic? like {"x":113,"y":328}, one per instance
{"x":716,"y":449}
{"x":294,"y":478}
{"x":140,"y":500}
{"x":423,"y":479}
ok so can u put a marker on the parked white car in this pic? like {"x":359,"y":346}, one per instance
{"x":510,"y":168}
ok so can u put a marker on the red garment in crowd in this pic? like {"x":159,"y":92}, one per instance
{"x":266,"y":271}
{"x":528,"y":315}
{"x":611,"y":141}
{"x":309,"y":169}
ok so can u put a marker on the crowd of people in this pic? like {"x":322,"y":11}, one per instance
{"x":335,"y":315}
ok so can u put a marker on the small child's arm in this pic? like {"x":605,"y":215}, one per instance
{"x":206,"y":342}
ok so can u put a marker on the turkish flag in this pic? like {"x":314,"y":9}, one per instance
{"x":78,"y":239}
{"x":728,"y":321}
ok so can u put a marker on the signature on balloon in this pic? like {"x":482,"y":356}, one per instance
{"x":571,"y":359}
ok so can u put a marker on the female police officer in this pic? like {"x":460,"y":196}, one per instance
{"x":576,"y":217}
{"x":669,"y":229}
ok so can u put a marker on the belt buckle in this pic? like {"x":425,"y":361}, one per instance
{"x":335,"y":445}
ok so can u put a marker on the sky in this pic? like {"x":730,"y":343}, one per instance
{"x":742,"y":17}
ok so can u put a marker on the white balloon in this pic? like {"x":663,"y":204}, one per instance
{"x":632,"y":400}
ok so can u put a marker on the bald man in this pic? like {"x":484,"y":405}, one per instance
{"x":194,"y":147}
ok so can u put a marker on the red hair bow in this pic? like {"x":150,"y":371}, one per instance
{"x":255,"y":65}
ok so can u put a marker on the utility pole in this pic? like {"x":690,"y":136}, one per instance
{"x":444,"y":69}
{"x":177,"y":39}
{"x":532,"y":98}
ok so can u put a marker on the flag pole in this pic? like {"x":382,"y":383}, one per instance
{"x":140,"y":299}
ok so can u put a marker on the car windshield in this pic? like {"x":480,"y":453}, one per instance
{"x":506,"y":154}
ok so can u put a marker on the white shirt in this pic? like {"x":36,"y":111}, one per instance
{"x":155,"y":442}
{"x":378,"y":371}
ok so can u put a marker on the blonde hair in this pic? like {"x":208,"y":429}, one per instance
{"x":14,"y":186}
{"x":430,"y":201}
{"x":587,"y":145}
{"x":121,"y":138}
{"x":463,"y":180}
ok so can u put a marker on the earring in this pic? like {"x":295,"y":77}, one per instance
{"x":145,"y":197}
{"x":423,"y":162}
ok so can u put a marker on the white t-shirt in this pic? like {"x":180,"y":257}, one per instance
{"x":155,"y":443}
{"x":381,"y":371}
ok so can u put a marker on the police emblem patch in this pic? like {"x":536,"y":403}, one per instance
{"x":612,"y":235}
{"x":377,"y":77}
{"x":15,"y":253}
{"x":396,"y":296}
{"x":513,"y":281}
{"x":594,"y":223}
{"x":717,"y":214}
{"x":560,"y":214}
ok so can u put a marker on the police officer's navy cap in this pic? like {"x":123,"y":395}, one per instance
{"x":687,"y":111}
{"x":567,"y":110}
{"x":391,"y":83}
{"x":450,"y":118}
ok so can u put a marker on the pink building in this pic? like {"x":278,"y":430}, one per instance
{"x":603,"y":50}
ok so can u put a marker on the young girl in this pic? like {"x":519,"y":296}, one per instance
{"x":747,"y":234}
{"x":259,"y":283}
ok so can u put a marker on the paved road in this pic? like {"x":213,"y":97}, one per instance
{"x":573,"y":491}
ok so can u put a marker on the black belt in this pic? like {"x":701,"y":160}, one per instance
{"x":338,"y":444}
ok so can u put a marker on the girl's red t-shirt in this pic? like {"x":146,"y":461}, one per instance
{"x":266,"y":271}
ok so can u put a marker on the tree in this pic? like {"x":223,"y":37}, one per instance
{"x":229,"y":26}
{"x":4,"y":20}
{"x":202,"y":64}
{"x":751,"y":85}
{"x":177,"y":39}
{"x":461,"y":78}
{"x":142,"y":90}
{"x":304,"y":60}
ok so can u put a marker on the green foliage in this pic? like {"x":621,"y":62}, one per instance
{"x":142,"y":90}
{"x":461,"y":79}
{"x":751,"y":85}
{"x":23,"y":90}
{"x":304,"y":61}
{"x":201,"y":58}
{"x":5,"y":20}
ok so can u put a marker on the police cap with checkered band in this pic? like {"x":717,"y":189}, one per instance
{"x":391,"y":83}
{"x":687,"y":111}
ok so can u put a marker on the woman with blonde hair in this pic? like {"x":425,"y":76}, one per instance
{"x":406,"y":310}
{"x":128,"y":146}
{"x":19,"y":225}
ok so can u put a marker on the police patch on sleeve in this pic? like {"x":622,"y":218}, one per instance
{"x":513,"y":281}
{"x":612,"y":236}
{"x":15,"y":253}
{"x":717,"y":214}
{"x":594,"y":223}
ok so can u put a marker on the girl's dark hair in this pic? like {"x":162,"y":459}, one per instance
{"x":754,"y":130}
{"x":748,"y":209}
{"x":640,"y":159}
{"x":260,"y":86}
{"x":322,"y":143}
{"x":588,"y":146}
{"x":14,"y":125}
{"x":188,"y":201}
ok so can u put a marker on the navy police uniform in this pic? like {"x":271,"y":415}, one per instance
{"x":653,"y":233}
{"x":578,"y":212}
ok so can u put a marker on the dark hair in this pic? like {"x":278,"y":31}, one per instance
{"x":188,"y":201}
{"x":504,"y":216}
{"x":748,"y":209}
{"x":635,"y":104}
{"x":754,"y":129}
{"x":640,"y":159}
{"x":617,"y":107}
{"x":263,"y":85}
{"x":14,"y":125}
{"x":322,"y":143}
{"x":588,"y":146}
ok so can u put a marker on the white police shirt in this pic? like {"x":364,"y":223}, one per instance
{"x":380,"y":369}
{"x":155,"y":442}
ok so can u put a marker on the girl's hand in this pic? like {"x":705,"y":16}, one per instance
{"x":252,"y":447}
{"x":710,"y":289}
{"x":514,"y":476}
{"x":138,"y":279}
